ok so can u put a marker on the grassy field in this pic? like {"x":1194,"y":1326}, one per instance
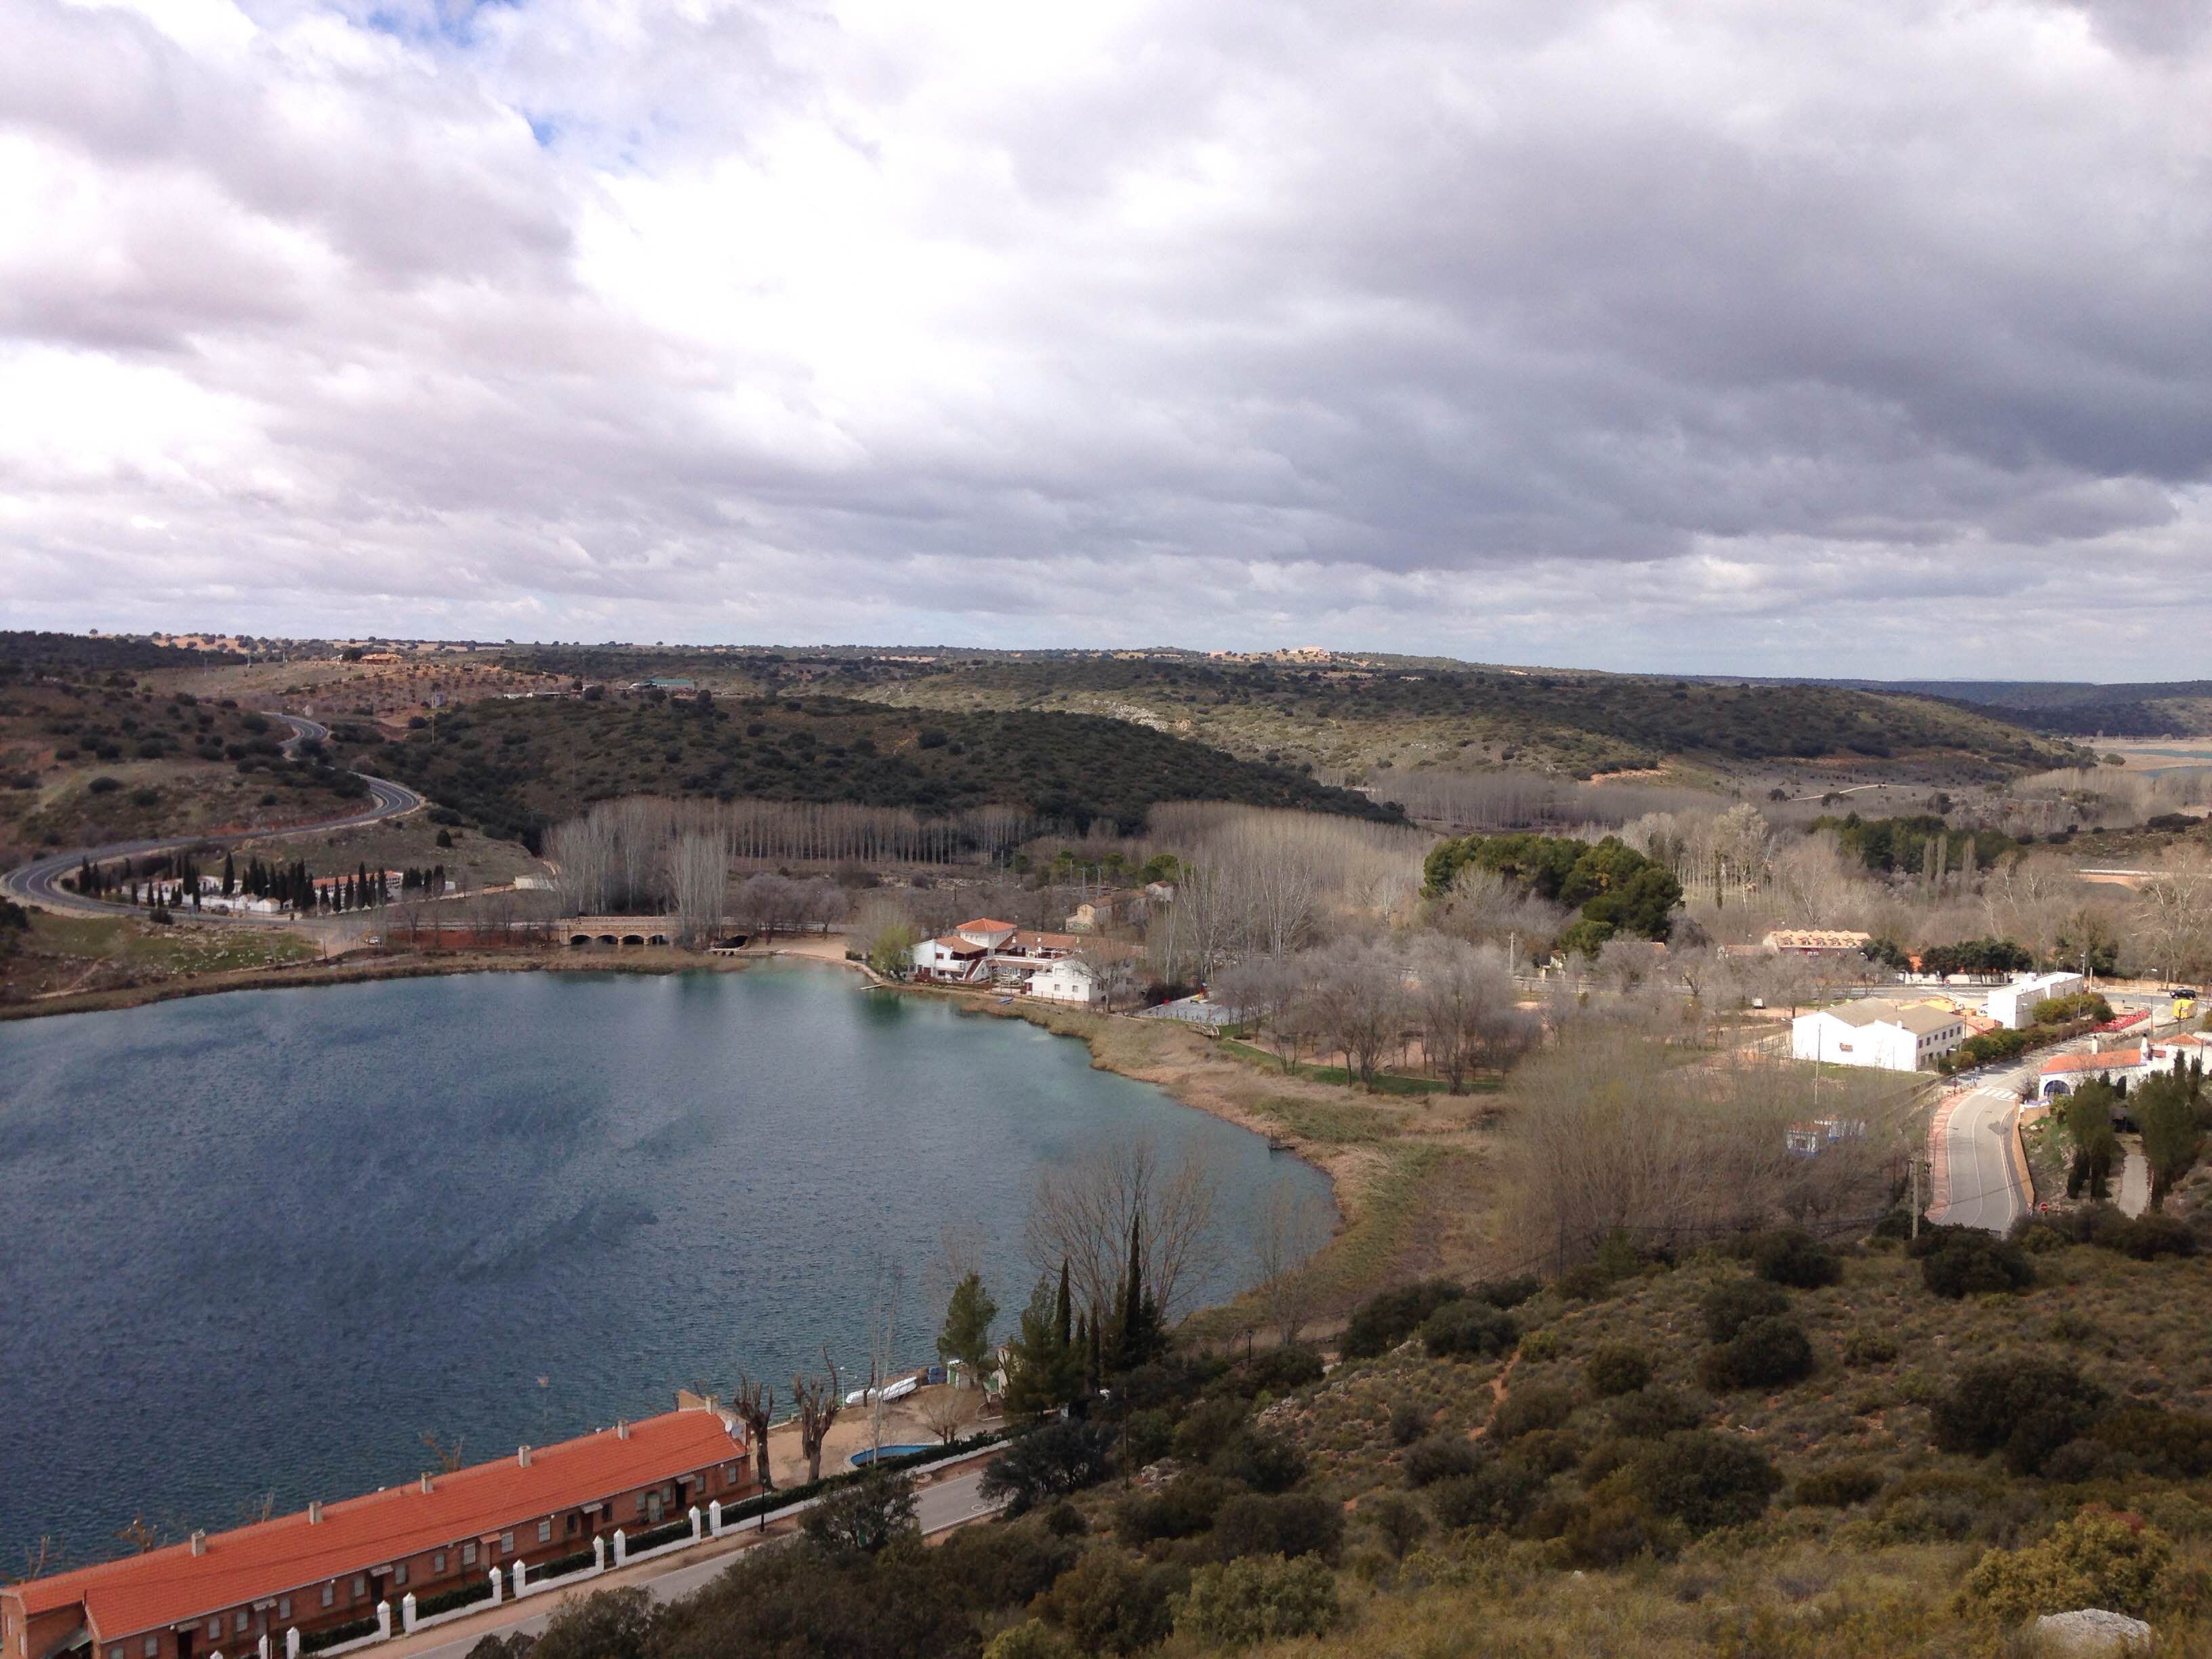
{"x":100,"y":953}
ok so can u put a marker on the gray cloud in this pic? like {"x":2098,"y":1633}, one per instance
{"x":1680,"y":337}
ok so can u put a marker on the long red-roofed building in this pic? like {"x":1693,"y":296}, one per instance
{"x":331,"y":1564}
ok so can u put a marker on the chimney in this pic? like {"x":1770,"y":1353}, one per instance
{"x":314,"y":1512}
{"x":622,"y":1430}
{"x":426,"y":1478}
{"x":199,"y":1543}
{"x":521,"y":1458}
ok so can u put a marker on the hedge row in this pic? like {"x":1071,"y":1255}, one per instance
{"x":446,"y":1601}
{"x":352,"y":1631}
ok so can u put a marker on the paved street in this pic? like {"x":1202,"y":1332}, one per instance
{"x":39,"y":881}
{"x":1986,"y":1187}
{"x":947,"y":1504}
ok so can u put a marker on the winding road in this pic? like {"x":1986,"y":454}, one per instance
{"x":1987,"y":1188}
{"x":39,"y":881}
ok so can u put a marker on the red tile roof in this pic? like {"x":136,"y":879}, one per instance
{"x":171,"y":1586}
{"x":984,"y":925}
{"x":2111,"y":1059}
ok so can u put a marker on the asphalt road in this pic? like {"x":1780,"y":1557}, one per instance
{"x":948,"y":1504}
{"x":39,"y":881}
{"x":1986,"y":1185}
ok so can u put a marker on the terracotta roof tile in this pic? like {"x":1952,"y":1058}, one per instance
{"x":171,"y":1586}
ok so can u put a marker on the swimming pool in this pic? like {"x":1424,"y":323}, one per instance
{"x":866,"y":1454}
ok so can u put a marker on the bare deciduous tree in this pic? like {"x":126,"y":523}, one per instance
{"x":818,"y":1403}
{"x":1466,"y":1003}
{"x":1292,"y":1223}
{"x":949,"y":1411}
{"x":754,"y":1405}
{"x":698,"y":869}
{"x":1080,"y":1211}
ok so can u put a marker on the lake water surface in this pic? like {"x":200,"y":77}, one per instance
{"x":264,"y":1242}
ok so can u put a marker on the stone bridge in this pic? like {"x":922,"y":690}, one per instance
{"x":615,"y":933}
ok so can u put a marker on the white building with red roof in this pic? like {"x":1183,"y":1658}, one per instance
{"x":2130,"y":1063}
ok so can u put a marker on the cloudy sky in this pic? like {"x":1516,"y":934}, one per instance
{"x":1837,"y":336}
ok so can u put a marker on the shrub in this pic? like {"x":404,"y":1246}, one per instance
{"x":1205,"y":1428}
{"x":1792,"y":1256}
{"x":2096,"y":1560}
{"x":1703,"y":1479}
{"x":1650,"y":1413}
{"x":103,"y":785}
{"x":1440,"y":1457}
{"x":992,"y":1567}
{"x":1530,"y":1407}
{"x":1731,"y":1305}
{"x":1508,"y":1294}
{"x":1147,"y":1435}
{"x":1409,"y":1420}
{"x":2151,"y":1235}
{"x":1277,"y":1371}
{"x":1031,"y":1639}
{"x":2025,"y":1407}
{"x":351,"y":1631}
{"x":1616,"y":1368}
{"x":1182,"y":1509}
{"x":1764,"y":1354}
{"x":1609,"y":1531}
{"x":1050,"y":1461}
{"x":1258,"y":1599}
{"x":1109,"y":1603}
{"x":1839,"y":1486}
{"x":864,"y":1516}
{"x":1397,"y":1519}
{"x":1291,"y":1524}
{"x":1381,"y":1323}
{"x":1468,"y":1329}
{"x":1263,"y":1460}
{"x":2169,"y":1445}
{"x":613,"y":1624}
{"x":1976,"y":1264}
{"x":1868,"y":1346}
{"x":1498,"y":1494}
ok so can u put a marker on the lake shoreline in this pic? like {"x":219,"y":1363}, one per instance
{"x":1175,"y":1059}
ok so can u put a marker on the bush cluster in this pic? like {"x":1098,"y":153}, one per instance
{"x":2023,"y":1406}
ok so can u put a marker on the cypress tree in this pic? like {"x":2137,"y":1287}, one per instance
{"x":1061,"y":1309}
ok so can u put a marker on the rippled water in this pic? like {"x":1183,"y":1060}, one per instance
{"x":264,"y":1241}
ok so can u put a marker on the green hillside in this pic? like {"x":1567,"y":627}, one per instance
{"x":1579,"y":723}
{"x":517,"y":766}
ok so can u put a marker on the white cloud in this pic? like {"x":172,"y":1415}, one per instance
{"x":1697,"y":336}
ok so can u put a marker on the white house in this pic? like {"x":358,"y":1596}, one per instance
{"x":1064,"y":980}
{"x":2013,"y":1005}
{"x":1877,"y":1032}
{"x":2126,"y":1063}
{"x":1815,"y":942}
{"x":987,"y":952}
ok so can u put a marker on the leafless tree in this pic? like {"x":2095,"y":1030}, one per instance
{"x":581,"y":851}
{"x":1367,"y":1004}
{"x":1080,"y":1210}
{"x":818,"y":1403}
{"x":1464,"y":1000}
{"x":698,"y":877}
{"x":447,"y":1453}
{"x":754,"y":1405}
{"x":949,"y":1411}
{"x":1292,"y":1223}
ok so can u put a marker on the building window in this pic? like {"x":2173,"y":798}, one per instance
{"x":152,"y":1647}
{"x":399,"y":1576}
{"x":641,"y":1502}
{"x":115,"y":1653}
{"x":546,"y":1531}
{"x":438,"y":1564}
{"x":237,"y":1622}
{"x":360,"y":1587}
{"x":330,"y":1594}
{"x":283,"y":1611}
{"x":574,"y":1521}
{"x":506,"y":1543}
{"x":468,"y":1555}
{"x":214,"y":1629}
